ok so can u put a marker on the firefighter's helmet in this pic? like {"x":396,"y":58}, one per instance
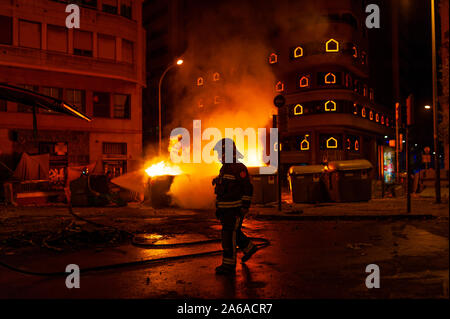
{"x":227,"y":151}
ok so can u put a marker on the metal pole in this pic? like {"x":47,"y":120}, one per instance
{"x":397,"y":142}
{"x":275,"y":125}
{"x":408,"y":172}
{"x":159,"y":105}
{"x":437,"y":170}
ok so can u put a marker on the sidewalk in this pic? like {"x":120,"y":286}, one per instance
{"x":386,"y":208}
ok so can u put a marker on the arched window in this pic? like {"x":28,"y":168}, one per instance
{"x":273,"y":58}
{"x":332,"y":46}
{"x":371,"y":115}
{"x":363,"y":57}
{"x":279,"y":87}
{"x":199,"y":81}
{"x":355,"y":51}
{"x":304,"y":144}
{"x":298,"y":109}
{"x":387,"y":121}
{"x":348,"y":80}
{"x":216,"y":76}
{"x":363,"y":112}
{"x":371,"y":97}
{"x":298,"y":52}
{"x":304,"y":82}
{"x":330,"y":78}
{"x":365,"y":90}
{"x":356,"y":145}
{"x":332,"y":143}
{"x":330,"y":106}
{"x":377,"y":117}
{"x":348,"y":144}
{"x":382,"y":119}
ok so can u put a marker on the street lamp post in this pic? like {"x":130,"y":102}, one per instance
{"x":437,"y":170}
{"x":178,"y":62}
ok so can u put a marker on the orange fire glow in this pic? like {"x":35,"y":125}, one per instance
{"x":162,"y":168}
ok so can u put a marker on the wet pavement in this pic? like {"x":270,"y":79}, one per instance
{"x":306,"y":259}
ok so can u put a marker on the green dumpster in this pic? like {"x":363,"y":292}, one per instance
{"x":349,"y":181}
{"x":265,"y":187}
{"x":306,"y":184}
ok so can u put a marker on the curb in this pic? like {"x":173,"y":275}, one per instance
{"x":345,"y":217}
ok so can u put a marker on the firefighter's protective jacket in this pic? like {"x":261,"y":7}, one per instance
{"x":233,"y":188}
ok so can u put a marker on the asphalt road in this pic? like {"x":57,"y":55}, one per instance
{"x":306,"y":259}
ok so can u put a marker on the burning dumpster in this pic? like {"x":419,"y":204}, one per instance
{"x":158,"y":188}
{"x":265,"y":186}
{"x":161,"y":176}
{"x":349,"y":181}
{"x":306,"y":184}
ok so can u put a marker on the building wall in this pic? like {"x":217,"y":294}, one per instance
{"x":110,"y":63}
{"x":317,"y":122}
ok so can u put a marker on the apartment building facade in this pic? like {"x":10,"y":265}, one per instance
{"x":99,"y":68}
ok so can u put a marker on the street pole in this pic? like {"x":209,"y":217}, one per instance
{"x":437,"y":170}
{"x":178,"y":62}
{"x":397,"y":142}
{"x":159,"y":104}
{"x":275,"y":125}
{"x":409,"y":122}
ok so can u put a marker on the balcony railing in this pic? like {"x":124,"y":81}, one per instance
{"x":36,"y":58}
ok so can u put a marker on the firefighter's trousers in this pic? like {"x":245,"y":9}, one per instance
{"x":232,"y":235}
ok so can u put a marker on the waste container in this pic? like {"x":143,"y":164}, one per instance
{"x":349,"y":181}
{"x":159,"y":187}
{"x":265,"y":186}
{"x":306,"y":185}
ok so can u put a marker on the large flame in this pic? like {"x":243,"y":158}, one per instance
{"x":162,"y":168}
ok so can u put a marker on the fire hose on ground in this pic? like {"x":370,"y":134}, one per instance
{"x":263,"y":244}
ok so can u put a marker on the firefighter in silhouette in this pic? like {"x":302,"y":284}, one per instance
{"x":233,"y":197}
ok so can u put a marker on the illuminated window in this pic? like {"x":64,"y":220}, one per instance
{"x":330,"y":78}
{"x":371,"y":94}
{"x":298,"y":52}
{"x":332,"y":46}
{"x":304,"y":82}
{"x":348,"y":80}
{"x":377,"y":117}
{"x":332,"y":143}
{"x":387,"y":121}
{"x":363,"y":111}
{"x":348,"y":144}
{"x":371,"y":115}
{"x":382,"y":119}
{"x":216,"y":100}
{"x":199,"y":81}
{"x":330,"y":106}
{"x":355,"y":51}
{"x":216,"y":76}
{"x":279,"y":87}
{"x":363,"y":57}
{"x":304,"y":144}
{"x":355,"y":109}
{"x":273,"y":58}
{"x":365,"y":90}
{"x":298,"y":109}
{"x":356,"y":145}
